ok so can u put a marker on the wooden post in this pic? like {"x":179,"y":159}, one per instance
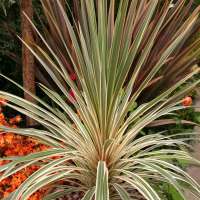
{"x":27,"y":57}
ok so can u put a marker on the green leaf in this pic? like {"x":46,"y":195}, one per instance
{"x":174,"y":194}
{"x":122,"y":192}
{"x":102,"y":190}
{"x":89,"y":195}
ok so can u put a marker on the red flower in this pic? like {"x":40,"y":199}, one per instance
{"x":187,"y":101}
{"x":71,"y":93}
{"x":73,"y":76}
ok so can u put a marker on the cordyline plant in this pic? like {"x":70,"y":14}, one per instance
{"x":176,"y":67}
{"x":95,"y":139}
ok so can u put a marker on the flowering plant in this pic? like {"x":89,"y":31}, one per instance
{"x":16,"y":145}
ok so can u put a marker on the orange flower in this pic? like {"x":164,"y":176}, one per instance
{"x":8,"y":152}
{"x":15,"y":120}
{"x":2,"y":117}
{"x":3,"y":102}
{"x":2,"y":141}
{"x":6,"y":194}
{"x":17,"y":180}
{"x":16,"y":145}
{"x":18,"y":118}
{"x":42,"y":147}
{"x":3,"y":162}
{"x":187,"y":101}
{"x":9,"y":137}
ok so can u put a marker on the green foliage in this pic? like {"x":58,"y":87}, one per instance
{"x":95,"y":135}
{"x":10,"y":48}
{"x":168,"y":192}
{"x":4,"y":4}
{"x":174,"y":194}
{"x":197,"y":1}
